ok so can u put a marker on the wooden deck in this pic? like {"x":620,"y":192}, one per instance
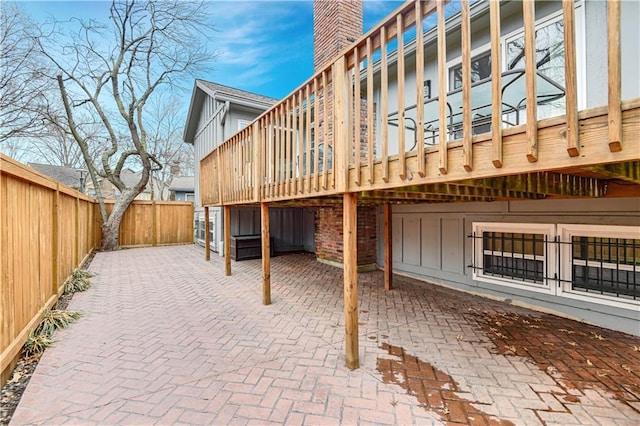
{"x":342,"y":113}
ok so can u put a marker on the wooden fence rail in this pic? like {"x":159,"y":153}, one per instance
{"x":47,"y":230}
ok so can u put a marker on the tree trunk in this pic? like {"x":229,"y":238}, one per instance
{"x":110,"y":241}
{"x":111,"y":228}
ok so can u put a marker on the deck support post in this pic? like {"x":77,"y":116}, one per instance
{"x":227,"y":240}
{"x":350,"y":230}
{"x":266,"y":254}
{"x":388,"y":247}
{"x":207,"y":239}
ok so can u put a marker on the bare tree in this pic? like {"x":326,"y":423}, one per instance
{"x":23,"y":81}
{"x":57,"y":146}
{"x":164,"y":133}
{"x":107,"y":73}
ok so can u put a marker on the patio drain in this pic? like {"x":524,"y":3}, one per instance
{"x":435,"y":390}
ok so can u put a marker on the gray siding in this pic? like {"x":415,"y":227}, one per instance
{"x":214,"y":128}
{"x":431,"y":242}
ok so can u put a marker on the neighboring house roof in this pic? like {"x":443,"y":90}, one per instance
{"x":183,"y":184}
{"x":220,"y":92}
{"x":66,"y":175}
{"x":130,"y":178}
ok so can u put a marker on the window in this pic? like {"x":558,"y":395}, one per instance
{"x":190,"y":197}
{"x":242,"y":124}
{"x":595,"y":263}
{"x":516,"y":254}
{"x":480,"y":69}
{"x":602,"y":261}
{"x":549,"y":60}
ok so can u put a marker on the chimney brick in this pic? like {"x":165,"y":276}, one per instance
{"x":336,"y":25}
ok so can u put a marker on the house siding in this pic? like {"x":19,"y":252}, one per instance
{"x":432,"y":242}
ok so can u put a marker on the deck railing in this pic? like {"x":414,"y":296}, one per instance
{"x":345,"y":129}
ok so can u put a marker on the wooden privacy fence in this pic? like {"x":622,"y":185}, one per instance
{"x":153,"y":223}
{"x":47,"y":229}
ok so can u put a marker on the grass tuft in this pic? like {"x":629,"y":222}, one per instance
{"x":78,"y":281}
{"x":36,"y":343}
{"x":55,"y":319}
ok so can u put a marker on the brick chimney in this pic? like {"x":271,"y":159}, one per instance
{"x":336,"y":25}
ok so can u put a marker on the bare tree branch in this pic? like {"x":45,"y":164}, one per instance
{"x":107,"y":74}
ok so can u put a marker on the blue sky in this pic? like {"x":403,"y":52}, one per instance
{"x":263,"y":46}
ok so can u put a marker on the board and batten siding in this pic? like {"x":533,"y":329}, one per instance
{"x":431,"y":242}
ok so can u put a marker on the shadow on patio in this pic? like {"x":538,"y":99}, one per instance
{"x":167,"y":338}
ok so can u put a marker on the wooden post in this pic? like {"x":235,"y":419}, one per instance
{"x":419,"y":91}
{"x":496,"y":88}
{"x":266,"y":254}
{"x":77,"y":230}
{"x":615,"y":80}
{"x":384,"y":103}
{"x":227,"y":240}
{"x":207,"y":239}
{"x":350,"y":230}
{"x":400,"y":81}
{"x":388,"y":248}
{"x":341,"y":133}
{"x":55,"y":240}
{"x":442,"y":90}
{"x":571,"y":79}
{"x":528,"y":12}
{"x":467,"y":150}
{"x":154,"y":223}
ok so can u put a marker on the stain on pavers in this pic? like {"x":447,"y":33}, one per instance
{"x":592,"y":374}
{"x":577,"y":356}
{"x":435,"y":390}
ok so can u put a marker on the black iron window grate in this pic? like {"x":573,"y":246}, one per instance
{"x":606,"y":266}
{"x":514,"y":256}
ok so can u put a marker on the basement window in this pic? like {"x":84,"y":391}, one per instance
{"x":601,"y":261}
{"x":515,"y":254}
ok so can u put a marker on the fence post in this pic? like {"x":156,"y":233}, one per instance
{"x":77,"y":239}
{"x":153,"y":223}
{"x":55,"y":240}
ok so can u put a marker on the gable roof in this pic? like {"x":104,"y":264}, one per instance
{"x":183,"y":184}
{"x":63,"y":174}
{"x":220,"y":92}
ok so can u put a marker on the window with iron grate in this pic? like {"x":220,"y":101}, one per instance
{"x":601,"y":261}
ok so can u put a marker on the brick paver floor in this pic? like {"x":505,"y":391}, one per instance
{"x":166,"y":338}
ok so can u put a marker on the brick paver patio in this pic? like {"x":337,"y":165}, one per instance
{"x":166,"y":338}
